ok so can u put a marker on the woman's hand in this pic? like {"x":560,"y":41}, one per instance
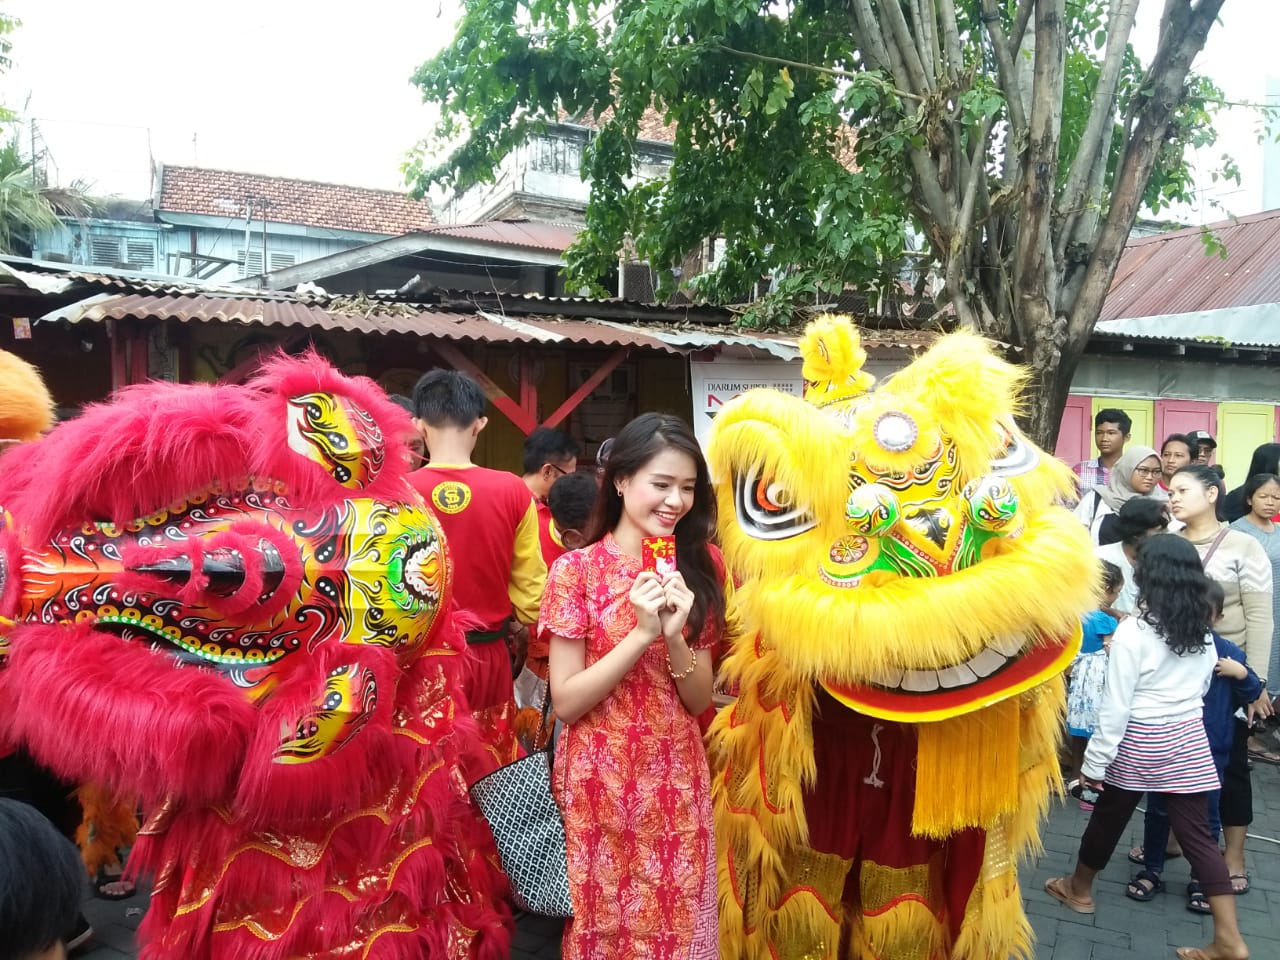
{"x":648,"y":599}
{"x":678,"y":600}
{"x":1096,"y":785}
{"x":1260,"y":709}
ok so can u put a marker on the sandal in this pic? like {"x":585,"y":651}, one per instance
{"x":1262,"y":753}
{"x":1243,"y":885}
{"x":104,"y":883}
{"x":1144,"y":886}
{"x":1054,"y":888}
{"x":1139,"y":856}
{"x":1197,"y":902}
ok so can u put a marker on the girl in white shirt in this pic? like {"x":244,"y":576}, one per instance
{"x":1150,"y":737}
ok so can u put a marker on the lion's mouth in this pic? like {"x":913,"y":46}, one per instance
{"x":1007,"y":666}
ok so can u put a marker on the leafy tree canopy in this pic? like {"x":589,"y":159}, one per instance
{"x":1018,"y":138}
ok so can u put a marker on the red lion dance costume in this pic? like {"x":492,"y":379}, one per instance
{"x":227,"y":601}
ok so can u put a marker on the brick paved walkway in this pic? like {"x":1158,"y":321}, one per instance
{"x":1122,"y":929}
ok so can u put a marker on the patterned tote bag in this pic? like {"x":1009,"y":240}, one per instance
{"x":528,"y":830}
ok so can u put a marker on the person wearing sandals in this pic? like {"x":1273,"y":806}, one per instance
{"x":1150,"y":737}
{"x":1233,"y":687}
{"x":1088,"y":671}
{"x":1238,"y":562}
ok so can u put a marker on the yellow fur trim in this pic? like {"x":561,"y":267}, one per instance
{"x":833,"y":359}
{"x":946,"y":803}
{"x":857,"y":636}
{"x":26,"y":409}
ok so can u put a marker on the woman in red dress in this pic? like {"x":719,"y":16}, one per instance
{"x":630,"y":672}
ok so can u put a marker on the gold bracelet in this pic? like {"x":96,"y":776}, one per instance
{"x":693,"y":664}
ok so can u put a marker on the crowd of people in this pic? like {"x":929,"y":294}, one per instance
{"x":1171,"y":695}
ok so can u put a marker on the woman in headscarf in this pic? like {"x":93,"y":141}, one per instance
{"x":1135,"y":474}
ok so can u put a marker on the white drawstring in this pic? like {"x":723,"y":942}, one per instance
{"x":874,"y":780}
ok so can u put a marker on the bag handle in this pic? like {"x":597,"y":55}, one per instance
{"x":1204,"y":563}
{"x":550,"y":746}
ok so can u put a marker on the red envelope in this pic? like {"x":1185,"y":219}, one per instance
{"x":658,"y":554}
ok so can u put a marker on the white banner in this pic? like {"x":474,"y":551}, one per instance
{"x":716,"y":383}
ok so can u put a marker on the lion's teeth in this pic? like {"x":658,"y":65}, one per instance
{"x":987,"y":662}
{"x":920,"y":681}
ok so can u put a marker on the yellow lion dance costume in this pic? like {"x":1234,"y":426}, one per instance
{"x":910,"y":595}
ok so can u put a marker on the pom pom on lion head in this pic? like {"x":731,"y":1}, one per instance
{"x":26,"y":409}
{"x":905,"y":540}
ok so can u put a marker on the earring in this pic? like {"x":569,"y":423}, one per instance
{"x":617,"y":491}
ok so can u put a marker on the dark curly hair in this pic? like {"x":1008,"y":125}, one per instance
{"x":636,"y":444}
{"x":1173,"y":592}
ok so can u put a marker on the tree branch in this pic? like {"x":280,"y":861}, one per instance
{"x":815,"y":68}
{"x":901,"y":39}
{"x":1004,"y":66}
{"x":1097,"y":132}
{"x":924,"y":45}
{"x":867,"y":34}
{"x":1020,"y":21}
{"x":1166,"y":78}
{"x":1033,"y":274}
{"x":951,"y":38}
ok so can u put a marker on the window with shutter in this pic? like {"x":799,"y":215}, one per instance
{"x":140,"y":253}
{"x":281,"y":260}
{"x":252,"y":266}
{"x":104,"y":251}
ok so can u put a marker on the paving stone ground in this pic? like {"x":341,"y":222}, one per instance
{"x":1122,"y":929}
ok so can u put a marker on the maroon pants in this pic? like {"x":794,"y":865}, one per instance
{"x":1189,"y":817}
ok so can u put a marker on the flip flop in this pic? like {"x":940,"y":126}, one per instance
{"x":1139,"y":856}
{"x":1240,"y":891}
{"x":1265,"y":756}
{"x":1053,"y":887}
{"x":105,"y":880}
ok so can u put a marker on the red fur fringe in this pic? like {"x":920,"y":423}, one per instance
{"x":379,"y":830}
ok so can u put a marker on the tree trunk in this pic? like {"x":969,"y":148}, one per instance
{"x":1051,"y":371}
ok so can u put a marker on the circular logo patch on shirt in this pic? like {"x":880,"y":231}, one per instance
{"x":451,"y":496}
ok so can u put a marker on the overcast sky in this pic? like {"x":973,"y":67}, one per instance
{"x":320,"y":90}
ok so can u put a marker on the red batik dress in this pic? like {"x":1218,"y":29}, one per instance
{"x":632,"y":780}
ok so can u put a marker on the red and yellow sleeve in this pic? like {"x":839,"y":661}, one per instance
{"x":528,"y":569}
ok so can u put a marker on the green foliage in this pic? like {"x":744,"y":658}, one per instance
{"x":764,"y":99}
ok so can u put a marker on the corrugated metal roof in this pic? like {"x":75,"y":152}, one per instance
{"x":1249,"y":326}
{"x":1171,"y":274}
{"x":513,"y":233}
{"x":361,"y":316}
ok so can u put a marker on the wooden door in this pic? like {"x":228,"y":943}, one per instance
{"x":1075,"y":435}
{"x":1241,"y":428}
{"x":1142,"y":412}
{"x":1184,"y":416}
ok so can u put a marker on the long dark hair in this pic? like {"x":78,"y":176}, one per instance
{"x":1173,"y":592}
{"x":1266,"y":459}
{"x":636,"y":444}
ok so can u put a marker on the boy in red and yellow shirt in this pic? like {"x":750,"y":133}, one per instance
{"x":491,"y":525}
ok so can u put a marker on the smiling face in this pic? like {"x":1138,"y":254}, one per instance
{"x":1144,"y":476}
{"x":1175,"y":455}
{"x":658,"y":495}
{"x":1189,"y":499}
